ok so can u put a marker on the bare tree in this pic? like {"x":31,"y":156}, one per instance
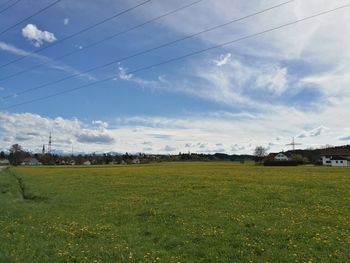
{"x":259,"y":153}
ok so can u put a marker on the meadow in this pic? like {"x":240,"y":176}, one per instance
{"x":175,"y":212}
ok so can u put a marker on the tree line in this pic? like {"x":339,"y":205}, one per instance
{"x":16,"y":155}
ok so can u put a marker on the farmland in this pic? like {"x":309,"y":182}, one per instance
{"x":175,"y":212}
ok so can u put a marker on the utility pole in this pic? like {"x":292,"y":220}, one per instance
{"x":50,"y":143}
{"x":293,"y":144}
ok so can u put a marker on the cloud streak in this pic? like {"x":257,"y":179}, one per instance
{"x":6,"y":47}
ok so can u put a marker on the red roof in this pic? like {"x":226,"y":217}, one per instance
{"x":335,"y":152}
{"x":29,"y":159}
{"x":271,"y":156}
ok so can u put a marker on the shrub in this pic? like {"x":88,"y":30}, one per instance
{"x":281,"y":163}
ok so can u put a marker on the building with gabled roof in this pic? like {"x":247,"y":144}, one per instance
{"x":335,"y":157}
{"x":30,"y":161}
{"x":4,"y":162}
{"x":282,"y":156}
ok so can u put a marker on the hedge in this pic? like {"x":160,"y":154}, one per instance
{"x":281,"y":163}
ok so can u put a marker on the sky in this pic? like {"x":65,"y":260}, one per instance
{"x":262,"y":90}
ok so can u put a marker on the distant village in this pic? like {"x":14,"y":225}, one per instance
{"x":331,"y":156}
{"x":17,"y":156}
{"x":336,"y":157}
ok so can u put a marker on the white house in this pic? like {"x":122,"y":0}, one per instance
{"x":278,"y":157}
{"x":340,"y":162}
{"x":136,"y":161}
{"x":30,"y":161}
{"x":338,"y":157}
{"x":282,"y":157}
{"x":4,"y":162}
{"x":87,"y":163}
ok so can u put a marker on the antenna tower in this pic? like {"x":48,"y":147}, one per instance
{"x":50,"y":143}
{"x":293,"y":144}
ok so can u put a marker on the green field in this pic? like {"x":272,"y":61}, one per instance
{"x":175,"y":212}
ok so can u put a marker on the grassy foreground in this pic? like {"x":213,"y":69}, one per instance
{"x":178,"y":212}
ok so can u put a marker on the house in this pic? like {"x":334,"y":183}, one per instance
{"x":30,"y":161}
{"x":340,"y":161}
{"x":136,"y":161}
{"x":87,"y":163}
{"x":61,"y":162}
{"x":278,"y":157}
{"x":335,"y":157}
{"x":4,"y":162}
{"x":283,"y":157}
{"x":113,"y":162}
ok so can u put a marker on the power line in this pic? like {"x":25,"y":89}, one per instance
{"x":148,"y":50}
{"x":5,"y":4}
{"x":293,"y":144}
{"x":31,"y":16}
{"x":103,"y":40}
{"x":182,"y":57}
{"x":11,"y":5}
{"x":76,"y":33}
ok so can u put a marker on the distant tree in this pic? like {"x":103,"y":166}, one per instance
{"x":127,"y":156}
{"x":306,"y":160}
{"x":326,"y":146}
{"x":16,"y":148}
{"x":16,"y":154}
{"x":2,"y":155}
{"x":80,"y":159}
{"x":300,"y":159}
{"x":259,"y":153}
{"x":46,"y":159}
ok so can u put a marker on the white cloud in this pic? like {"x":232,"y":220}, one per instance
{"x":277,"y":65}
{"x":234,"y":83}
{"x":291,"y":42}
{"x":122,"y":74}
{"x":306,"y":51}
{"x":195,"y":133}
{"x":313,"y":133}
{"x":333,"y":83}
{"x":169,"y":148}
{"x":223,"y":60}
{"x":102,"y":125}
{"x":272,"y":79}
{"x":314,"y":44}
{"x":237,"y":148}
{"x":66,"y":21}
{"x":36,"y":36}
{"x":225,"y":84}
{"x":89,"y":137}
{"x":345,"y":138}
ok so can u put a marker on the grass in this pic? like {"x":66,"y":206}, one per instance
{"x":176,"y":212}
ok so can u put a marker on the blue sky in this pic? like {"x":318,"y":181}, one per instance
{"x":260,"y":91}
